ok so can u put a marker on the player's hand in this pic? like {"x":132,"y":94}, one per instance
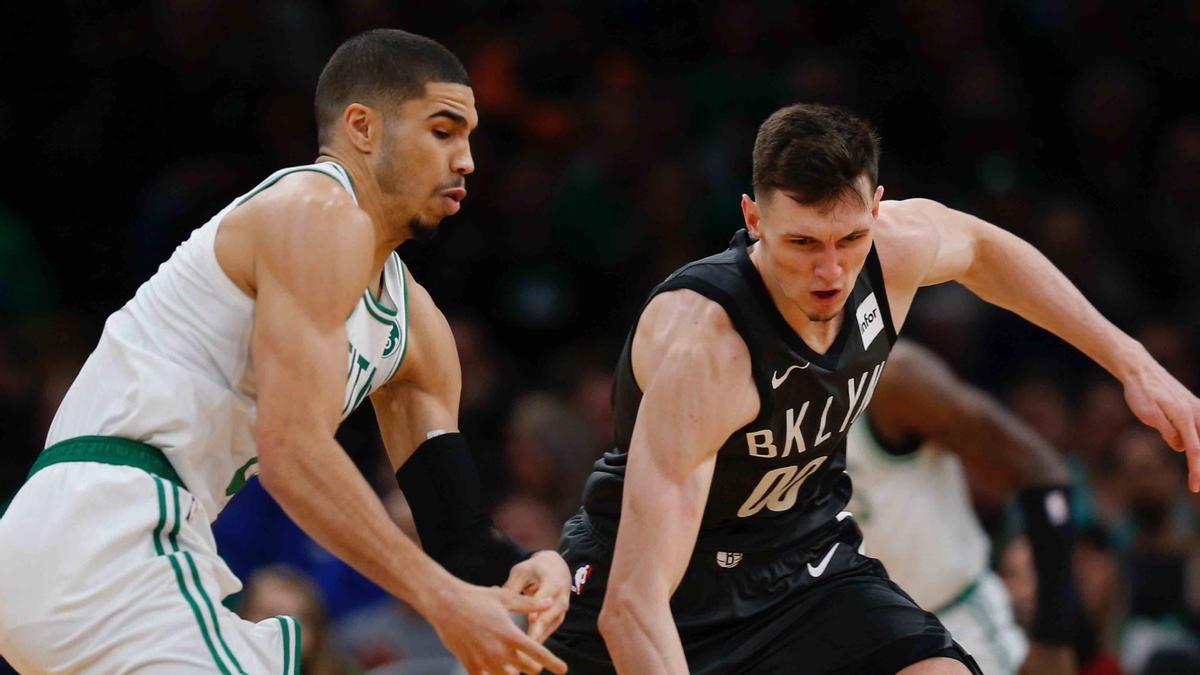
{"x":1160,"y":401}
{"x":474,"y":624}
{"x":544,"y":576}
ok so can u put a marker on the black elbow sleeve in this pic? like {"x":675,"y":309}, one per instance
{"x":441,"y":484}
{"x":1048,"y":525}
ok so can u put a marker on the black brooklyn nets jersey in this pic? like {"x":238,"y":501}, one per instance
{"x":781,"y":477}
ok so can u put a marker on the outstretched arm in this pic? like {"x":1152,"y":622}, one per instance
{"x":929,"y":243}
{"x":695,"y":372}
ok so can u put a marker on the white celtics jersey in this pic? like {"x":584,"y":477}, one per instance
{"x":916,"y":515}
{"x":173,"y":367}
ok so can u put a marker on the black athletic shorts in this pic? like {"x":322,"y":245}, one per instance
{"x":817,"y":608}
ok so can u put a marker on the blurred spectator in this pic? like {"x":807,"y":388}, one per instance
{"x":548,"y":453}
{"x":272,"y":591}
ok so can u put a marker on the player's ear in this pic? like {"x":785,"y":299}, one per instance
{"x":751,"y":215}
{"x":875,"y":202}
{"x":362,"y":126}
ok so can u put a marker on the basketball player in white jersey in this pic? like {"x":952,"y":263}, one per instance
{"x":241,"y":356}
{"x":912,"y":502}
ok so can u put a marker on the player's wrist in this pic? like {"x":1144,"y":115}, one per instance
{"x":1129,"y":360}
{"x":1048,"y":525}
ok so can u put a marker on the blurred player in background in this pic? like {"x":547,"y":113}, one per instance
{"x":241,"y":356}
{"x":714,"y":537}
{"x":912,"y":501}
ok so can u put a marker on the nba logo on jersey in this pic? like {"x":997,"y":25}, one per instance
{"x":581,"y":577}
{"x":726,"y":559}
{"x":870,"y":323}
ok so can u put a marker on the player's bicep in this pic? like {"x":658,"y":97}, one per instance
{"x":698,"y":392}
{"x":307,"y":278}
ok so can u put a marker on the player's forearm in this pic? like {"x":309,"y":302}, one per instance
{"x":640,"y":633}
{"x":1012,"y":274}
{"x":1032,"y":460}
{"x":322,"y":491}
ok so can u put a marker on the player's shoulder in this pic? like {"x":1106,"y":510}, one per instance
{"x":314,"y":200}
{"x":683,"y":321}
{"x":906,"y":240}
{"x":901,"y":220}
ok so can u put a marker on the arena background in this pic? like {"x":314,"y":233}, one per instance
{"x":614,"y":145}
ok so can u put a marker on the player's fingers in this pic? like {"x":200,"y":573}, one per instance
{"x":540,"y":656}
{"x":1160,"y":420}
{"x":523,"y":604}
{"x":518,"y":578}
{"x":1193,"y":454}
{"x":526,"y":664}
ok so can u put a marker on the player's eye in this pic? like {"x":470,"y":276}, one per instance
{"x":441,"y":133}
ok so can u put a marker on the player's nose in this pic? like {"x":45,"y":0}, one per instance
{"x":463,"y":163}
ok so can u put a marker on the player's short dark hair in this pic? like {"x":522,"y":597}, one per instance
{"x":381,"y":65}
{"x":816,"y":153}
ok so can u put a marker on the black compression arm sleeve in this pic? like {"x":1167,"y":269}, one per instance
{"x":1051,"y":535}
{"x":441,"y":484}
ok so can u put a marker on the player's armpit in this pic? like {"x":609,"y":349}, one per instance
{"x":423,"y":396}
{"x":695,"y":373}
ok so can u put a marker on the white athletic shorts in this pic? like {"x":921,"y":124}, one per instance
{"x":981,"y":620}
{"x":112,"y":569}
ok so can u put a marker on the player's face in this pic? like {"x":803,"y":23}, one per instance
{"x":813,"y":254}
{"x":426,"y":155}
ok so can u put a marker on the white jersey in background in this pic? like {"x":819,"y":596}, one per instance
{"x":916,"y":516}
{"x":173,"y":367}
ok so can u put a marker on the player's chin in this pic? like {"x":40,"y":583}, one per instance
{"x":424,"y":229}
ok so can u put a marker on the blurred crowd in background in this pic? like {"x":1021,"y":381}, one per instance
{"x":614,"y":146}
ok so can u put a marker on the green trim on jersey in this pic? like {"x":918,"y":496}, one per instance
{"x":108,"y":450}
{"x":287,"y":641}
{"x":288,"y":172}
{"x":964,"y":596}
{"x":291,"y":648}
{"x":404,"y":295}
{"x":349,"y":180}
{"x":179,"y":578}
{"x":387,"y":317}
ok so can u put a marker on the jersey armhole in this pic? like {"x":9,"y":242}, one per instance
{"x":879,"y":285}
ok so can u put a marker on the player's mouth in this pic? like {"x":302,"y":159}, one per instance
{"x":452,"y":199}
{"x":826,"y":296}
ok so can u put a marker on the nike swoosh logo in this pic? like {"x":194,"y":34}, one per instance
{"x":777,"y":379}
{"x":820,"y":568}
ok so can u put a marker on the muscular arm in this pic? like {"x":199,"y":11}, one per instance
{"x":310,"y":264}
{"x":695,"y":374}
{"x":918,"y":395}
{"x":311,"y":261}
{"x":923,"y":242}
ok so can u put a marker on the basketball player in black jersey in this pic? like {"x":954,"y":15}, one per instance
{"x":713,"y":538}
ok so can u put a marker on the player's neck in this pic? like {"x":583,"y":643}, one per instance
{"x":371,"y":200}
{"x":818,"y":335}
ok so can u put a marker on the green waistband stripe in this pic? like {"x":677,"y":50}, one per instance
{"x":109,"y":450}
